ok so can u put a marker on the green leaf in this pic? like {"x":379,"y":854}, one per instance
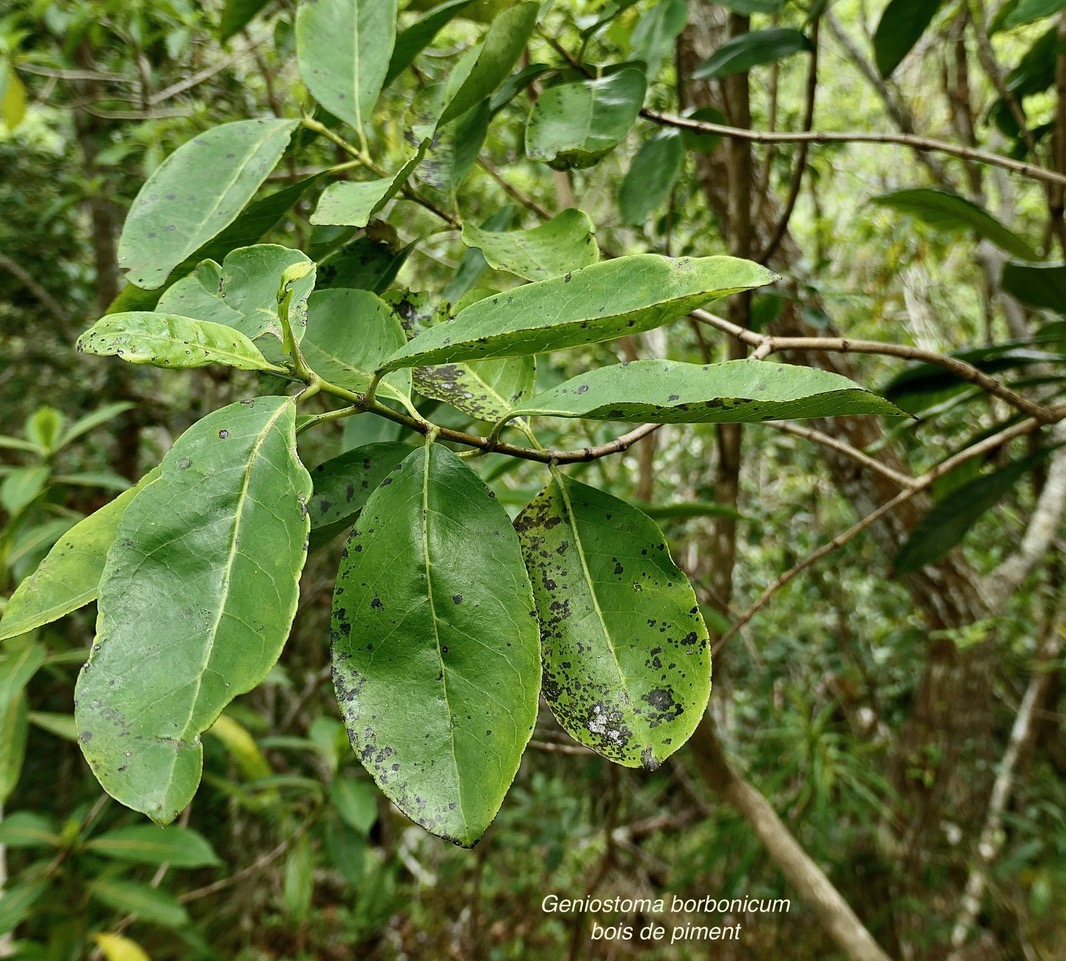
{"x":949,"y":212}
{"x":12,"y":95}
{"x":577,"y":124}
{"x":240,"y":744}
{"x":237,"y":14}
{"x":1029,"y":10}
{"x":195,"y":193}
{"x":179,"y":847}
{"x":655,"y":33}
{"x":16,"y":670}
{"x":61,"y":725}
{"x":43,"y":427}
{"x":901,"y":26}
{"x":349,"y":334}
{"x":651,"y":177}
{"x":753,"y":49}
{"x":167,"y":340}
{"x":486,"y":389}
{"x":627,"y":665}
{"x":17,"y":902}
{"x":1039,"y":285}
{"x":93,"y":420}
{"x":69,"y":576}
{"x":355,"y":802}
{"x":566,"y":242}
{"x":454,"y":147}
{"x":344,"y":48}
{"x":950,"y":519}
{"x":364,"y":264}
{"x":627,"y":295}
{"x":413,"y":40}
{"x":737,"y":391}
{"x":343,"y":484}
{"x":22,"y":485}
{"x":242,"y":293}
{"x":504,"y":42}
{"x":298,"y":884}
{"x":142,"y":900}
{"x":26,"y":829}
{"x":354,"y":203}
{"x":473,"y":263}
{"x":196,"y":600}
{"x":424,"y":620}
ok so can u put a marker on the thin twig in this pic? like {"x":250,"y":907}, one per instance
{"x":920,"y":144}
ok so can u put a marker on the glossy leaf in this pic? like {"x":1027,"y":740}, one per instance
{"x":901,"y":26}
{"x":737,"y":391}
{"x":422,"y":619}
{"x":344,"y":48}
{"x":168,"y":340}
{"x":195,"y":193}
{"x":566,"y":242}
{"x":950,"y":212}
{"x":741,"y":54}
{"x":627,"y":295}
{"x":354,"y":203}
{"x":141,"y":900}
{"x":626,"y":653}
{"x":411,"y":42}
{"x":343,"y":484}
{"x":179,"y":847}
{"x":504,"y":42}
{"x":116,"y":947}
{"x":195,"y":603}
{"x":577,"y":124}
{"x":349,"y":334}
{"x":651,"y":177}
{"x":950,"y":519}
{"x":236,"y":15}
{"x":1039,"y":285}
{"x":69,"y":576}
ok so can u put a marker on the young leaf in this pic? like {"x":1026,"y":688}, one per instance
{"x":343,"y":484}
{"x":349,"y":334}
{"x":950,"y":212}
{"x":577,"y":124}
{"x":195,"y":193}
{"x":651,"y":177}
{"x":142,"y":900}
{"x":737,"y":391}
{"x":179,"y":847}
{"x":566,"y":242}
{"x":167,"y":340}
{"x":69,"y":576}
{"x":355,"y":203}
{"x":499,"y":52}
{"x":242,"y":293}
{"x":901,"y":26}
{"x":454,"y":643}
{"x":196,"y":600}
{"x":752,"y":49}
{"x":344,"y":48}
{"x":627,"y":665}
{"x":411,"y":42}
{"x":627,"y":295}
{"x":950,"y":519}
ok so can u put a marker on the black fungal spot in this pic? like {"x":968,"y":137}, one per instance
{"x":457,"y":598}
{"x":223,"y":434}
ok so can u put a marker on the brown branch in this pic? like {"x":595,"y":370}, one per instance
{"x":920,"y":484}
{"x":921,"y":144}
{"x":53,"y":306}
{"x":766,"y":344}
